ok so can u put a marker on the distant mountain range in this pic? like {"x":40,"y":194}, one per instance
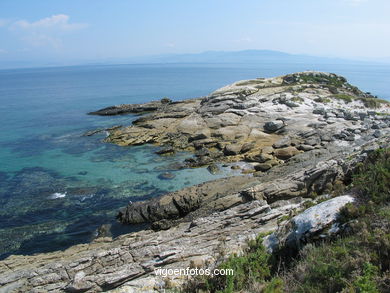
{"x":246,"y":56}
{"x":208,"y":57}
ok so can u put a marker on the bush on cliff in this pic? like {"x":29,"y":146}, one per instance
{"x":358,"y":261}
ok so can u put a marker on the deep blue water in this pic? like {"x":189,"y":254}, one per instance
{"x":57,"y":186}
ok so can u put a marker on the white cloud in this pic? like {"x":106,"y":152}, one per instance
{"x":2,"y":51}
{"x":54,"y":22}
{"x":46,"y":31}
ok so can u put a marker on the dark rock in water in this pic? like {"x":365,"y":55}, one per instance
{"x":263,"y":167}
{"x":82,"y":173}
{"x":170,"y":167}
{"x":129,"y":108}
{"x":213,"y":169}
{"x":104,"y":231}
{"x":92,"y":132}
{"x":166,"y":151}
{"x":95,"y":131}
{"x":273,"y":126}
{"x":166,"y":176}
{"x":202,"y":152}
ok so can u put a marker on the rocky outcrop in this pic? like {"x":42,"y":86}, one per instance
{"x":280,"y":117}
{"x":133,"y":108}
{"x":128,"y":262}
{"x":300,"y":139}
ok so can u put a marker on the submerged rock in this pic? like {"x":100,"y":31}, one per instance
{"x":192,"y":224}
{"x":213,"y":169}
{"x":166,"y":176}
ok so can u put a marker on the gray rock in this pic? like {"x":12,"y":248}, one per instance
{"x":304,"y":227}
{"x":213,"y":169}
{"x":246,"y":147}
{"x":273,"y":126}
{"x":319,"y":111}
{"x":305,"y":147}
{"x":232,"y":149}
{"x":282,"y":143}
{"x":166,"y":176}
{"x":286,"y":153}
{"x":377,"y":133}
{"x":314,"y":140}
{"x":263,"y":167}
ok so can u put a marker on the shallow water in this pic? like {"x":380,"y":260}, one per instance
{"x":57,"y":186}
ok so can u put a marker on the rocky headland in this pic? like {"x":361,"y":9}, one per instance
{"x":301,"y":137}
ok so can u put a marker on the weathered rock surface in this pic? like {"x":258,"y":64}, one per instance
{"x":132,"y":108}
{"x":128,"y":262}
{"x":238,"y":122}
{"x":318,"y":221}
{"x":309,"y":146}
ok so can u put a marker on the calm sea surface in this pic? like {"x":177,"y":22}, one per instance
{"x":57,"y":186}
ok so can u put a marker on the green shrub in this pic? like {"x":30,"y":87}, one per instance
{"x":350,"y":264}
{"x":322,"y":100}
{"x":276,"y":285}
{"x":297,"y":99}
{"x":345,"y":98}
{"x":366,"y":282}
{"x":373,"y":102}
{"x":373,"y":177}
{"x":252,"y":267}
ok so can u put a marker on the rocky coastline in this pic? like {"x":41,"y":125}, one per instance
{"x":301,"y":137}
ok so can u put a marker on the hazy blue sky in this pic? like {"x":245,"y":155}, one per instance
{"x":100,"y":29}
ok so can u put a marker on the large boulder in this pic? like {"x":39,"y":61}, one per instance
{"x":273,"y":126}
{"x":286,"y":153}
{"x":232,"y":149}
{"x":317,"y":221}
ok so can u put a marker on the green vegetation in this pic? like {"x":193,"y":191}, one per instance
{"x":345,"y":98}
{"x":297,"y":99}
{"x":368,"y":102}
{"x":373,"y":102}
{"x":358,"y":261}
{"x":252,"y":267}
{"x":322,"y":100}
{"x":331,"y":80}
{"x":373,"y":177}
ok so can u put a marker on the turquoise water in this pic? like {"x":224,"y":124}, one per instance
{"x":57,"y":186}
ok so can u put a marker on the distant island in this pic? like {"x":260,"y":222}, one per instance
{"x":208,"y":57}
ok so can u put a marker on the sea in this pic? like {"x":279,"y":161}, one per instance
{"x":57,"y":186}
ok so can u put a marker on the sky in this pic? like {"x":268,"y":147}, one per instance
{"x":90,"y":30}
